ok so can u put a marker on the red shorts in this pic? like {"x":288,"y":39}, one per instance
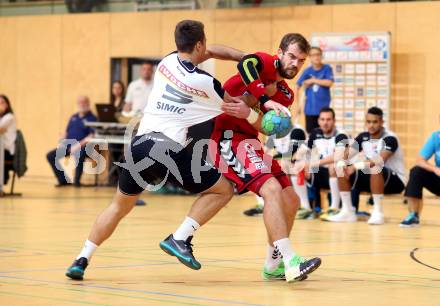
{"x":241,"y":159}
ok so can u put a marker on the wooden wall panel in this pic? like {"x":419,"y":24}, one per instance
{"x":8,"y":57}
{"x":300,"y":19}
{"x":46,"y":62}
{"x":365,"y":18}
{"x":135,"y":35}
{"x":38,"y":81}
{"x":417,"y":28}
{"x":249,"y":30}
{"x":171,"y":18}
{"x":85,"y":60}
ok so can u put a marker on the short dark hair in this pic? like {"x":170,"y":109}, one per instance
{"x":147,"y":62}
{"x":187,"y":34}
{"x":327,"y":110}
{"x":316,"y":48}
{"x":375,"y":111}
{"x":9,"y":109}
{"x":292,"y":38}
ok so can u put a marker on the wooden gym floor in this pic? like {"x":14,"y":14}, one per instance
{"x":42,"y":231}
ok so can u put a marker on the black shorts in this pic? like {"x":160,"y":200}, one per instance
{"x":320,"y":179}
{"x":155,"y":160}
{"x":393,"y":184}
{"x":420,"y":178}
{"x":311,"y":122}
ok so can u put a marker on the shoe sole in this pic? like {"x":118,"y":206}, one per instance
{"x":305,"y":217}
{"x":303,"y":278}
{"x":325,"y":216}
{"x":76,"y":275}
{"x":305,"y":275}
{"x":252,"y":215}
{"x":340,"y":221}
{"x":409,"y":226}
{"x":184,"y":261}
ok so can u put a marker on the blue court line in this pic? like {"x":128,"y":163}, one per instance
{"x":216,"y":260}
{"x":159,"y":263}
{"x":191,"y":297}
{"x":94,"y":292}
{"x":48,"y":298}
{"x":97,"y":267}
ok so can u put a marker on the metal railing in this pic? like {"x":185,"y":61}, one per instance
{"x":146,"y":5}
{"x":48,"y":7}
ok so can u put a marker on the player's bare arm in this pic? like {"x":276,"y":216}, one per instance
{"x":222,"y":52}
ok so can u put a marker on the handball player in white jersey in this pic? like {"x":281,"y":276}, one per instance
{"x":182,"y":96}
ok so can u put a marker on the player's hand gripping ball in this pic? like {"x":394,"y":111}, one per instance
{"x":280,"y":125}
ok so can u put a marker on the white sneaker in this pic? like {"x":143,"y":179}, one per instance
{"x":343,"y":216}
{"x":377,"y":218}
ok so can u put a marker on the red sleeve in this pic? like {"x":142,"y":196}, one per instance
{"x":250,"y":69}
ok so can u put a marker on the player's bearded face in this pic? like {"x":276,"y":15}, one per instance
{"x":291,"y":61}
{"x":326,"y":122}
{"x":287,"y":72}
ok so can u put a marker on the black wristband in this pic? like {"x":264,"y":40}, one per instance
{"x":263,"y":99}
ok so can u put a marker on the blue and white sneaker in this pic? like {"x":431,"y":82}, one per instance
{"x":412,"y":220}
{"x":182,"y":250}
{"x":76,"y":270}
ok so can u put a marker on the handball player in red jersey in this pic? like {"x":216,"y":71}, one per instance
{"x":239,"y":154}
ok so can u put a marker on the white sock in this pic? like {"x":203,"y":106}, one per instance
{"x":346,"y":201}
{"x":260,"y":201}
{"x":273,"y":258}
{"x":334,"y":190}
{"x":301,"y":191}
{"x":88,"y":250}
{"x":377,"y":200}
{"x":285,"y":249}
{"x":186,"y":229}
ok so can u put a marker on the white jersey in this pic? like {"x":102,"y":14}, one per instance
{"x":325,"y":145}
{"x":287,"y":145}
{"x":387,"y":141}
{"x":282,"y":145}
{"x":137,"y":93}
{"x":182,"y":96}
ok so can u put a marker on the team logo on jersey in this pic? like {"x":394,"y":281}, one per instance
{"x":165,"y":72}
{"x":181,"y":72}
{"x":230,"y":159}
{"x":254,"y":158}
{"x":177,"y":96}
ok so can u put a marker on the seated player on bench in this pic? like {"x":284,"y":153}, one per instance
{"x":379,"y":170}
{"x":423,"y":175}
{"x":319,"y":170}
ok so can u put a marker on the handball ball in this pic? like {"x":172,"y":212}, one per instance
{"x":280,"y":125}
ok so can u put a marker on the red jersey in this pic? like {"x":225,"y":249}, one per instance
{"x":267,"y":66}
